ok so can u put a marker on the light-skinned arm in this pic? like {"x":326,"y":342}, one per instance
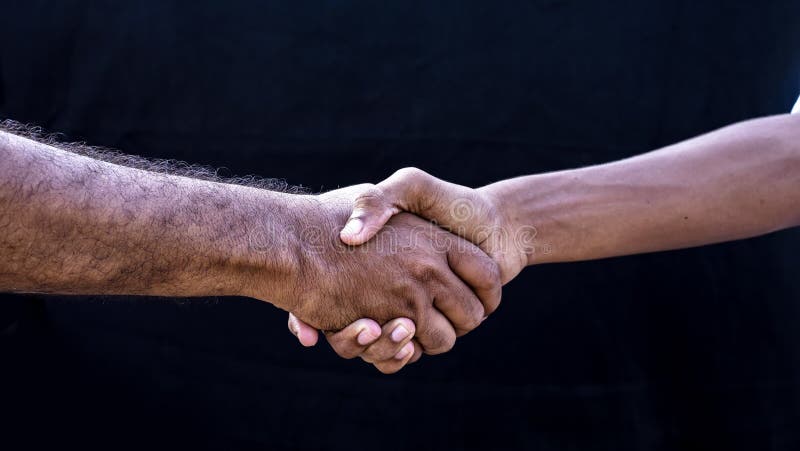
{"x":736,"y":182}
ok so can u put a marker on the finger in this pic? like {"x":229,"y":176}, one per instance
{"x":437,"y":334}
{"x":403,"y":190}
{"x":394,"y":336}
{"x":388,"y":368}
{"x":460,"y":209}
{"x":306,"y":334}
{"x":478,"y":271}
{"x":396,"y":363}
{"x":371,"y":210}
{"x":456,"y":301}
{"x":353,"y":340}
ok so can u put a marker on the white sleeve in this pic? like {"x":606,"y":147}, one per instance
{"x":796,"y":108}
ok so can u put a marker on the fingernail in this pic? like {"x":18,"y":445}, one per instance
{"x":353,"y":226}
{"x":399,"y":334}
{"x":293,"y":328}
{"x":365,"y":337}
{"x":403,"y":353}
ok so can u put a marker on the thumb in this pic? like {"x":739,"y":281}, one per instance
{"x":371,"y":211}
{"x":405,"y":190}
{"x":306,"y":334}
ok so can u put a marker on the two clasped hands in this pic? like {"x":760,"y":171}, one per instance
{"x":389,"y":271}
{"x":442,"y":251}
{"x":451,"y":267}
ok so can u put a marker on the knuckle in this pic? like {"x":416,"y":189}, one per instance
{"x":424,"y":271}
{"x":403,"y":288}
{"x":342,"y":346}
{"x":408,"y":303}
{"x":414,"y":181}
{"x":410,"y":173}
{"x":439,"y":342}
{"x":475,"y":317}
{"x":419,"y":306}
{"x":489,"y":273}
{"x":377,"y":354}
{"x":493,"y":274}
{"x":469,"y":309}
{"x":372,"y":197}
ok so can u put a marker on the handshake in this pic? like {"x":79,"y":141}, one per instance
{"x":428,"y":258}
{"x":388,"y":271}
{"x":422,"y":257}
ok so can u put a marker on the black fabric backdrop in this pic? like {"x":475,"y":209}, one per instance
{"x":695,"y":349}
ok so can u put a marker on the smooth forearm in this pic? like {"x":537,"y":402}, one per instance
{"x":737,"y":182}
{"x":72,"y":224}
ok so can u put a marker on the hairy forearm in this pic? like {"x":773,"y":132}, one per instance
{"x":73,"y":224}
{"x":737,"y":182}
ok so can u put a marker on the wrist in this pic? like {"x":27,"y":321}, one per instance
{"x":269,"y":255}
{"x":503,"y":243}
{"x":317,"y":269}
{"x":530,"y":232}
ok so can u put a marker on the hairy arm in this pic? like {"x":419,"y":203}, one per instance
{"x":74,"y":224}
{"x":79,"y":225}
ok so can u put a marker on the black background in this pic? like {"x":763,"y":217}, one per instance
{"x":695,"y":349}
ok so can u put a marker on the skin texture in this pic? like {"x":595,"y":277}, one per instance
{"x":737,"y":182}
{"x":71,"y":224}
{"x":409,"y":266}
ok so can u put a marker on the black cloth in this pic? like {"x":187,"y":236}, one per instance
{"x":693,"y":349}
